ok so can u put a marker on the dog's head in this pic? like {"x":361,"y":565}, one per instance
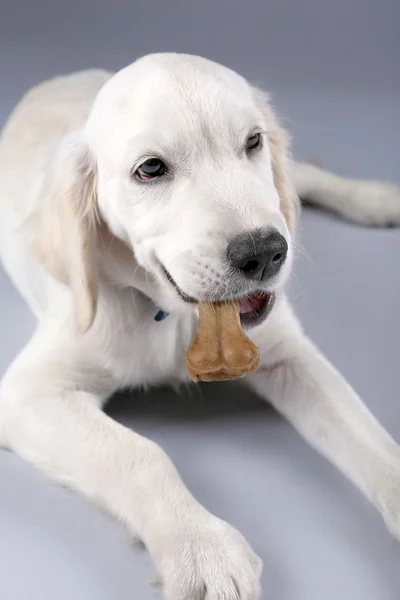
{"x":186,"y":164}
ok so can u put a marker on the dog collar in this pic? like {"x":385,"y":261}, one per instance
{"x":161,"y":315}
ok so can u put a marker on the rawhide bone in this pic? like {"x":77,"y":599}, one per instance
{"x":220,"y":350}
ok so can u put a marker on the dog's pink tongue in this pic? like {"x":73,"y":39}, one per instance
{"x":252,"y":302}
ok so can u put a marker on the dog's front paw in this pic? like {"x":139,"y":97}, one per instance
{"x":207,"y":559}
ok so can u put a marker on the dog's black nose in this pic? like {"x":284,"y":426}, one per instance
{"x":258,"y":254}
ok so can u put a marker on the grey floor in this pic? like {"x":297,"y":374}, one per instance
{"x":319,"y":539}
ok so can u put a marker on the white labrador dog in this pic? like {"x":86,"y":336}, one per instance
{"x":123,"y":198}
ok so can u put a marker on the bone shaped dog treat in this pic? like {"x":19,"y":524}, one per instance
{"x":220,"y":350}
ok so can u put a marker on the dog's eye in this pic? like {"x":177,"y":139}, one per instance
{"x":151,"y":168}
{"x":253,"y":142}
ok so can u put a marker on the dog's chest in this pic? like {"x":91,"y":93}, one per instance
{"x":148,"y":349}
{"x":166,"y":342}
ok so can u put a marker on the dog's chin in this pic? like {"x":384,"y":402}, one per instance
{"x":254,"y":307}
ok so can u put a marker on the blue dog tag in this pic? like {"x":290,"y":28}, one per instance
{"x":161,"y":315}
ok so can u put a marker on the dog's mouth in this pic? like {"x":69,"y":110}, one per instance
{"x":254,"y":308}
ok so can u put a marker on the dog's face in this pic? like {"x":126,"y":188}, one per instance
{"x":191,"y":175}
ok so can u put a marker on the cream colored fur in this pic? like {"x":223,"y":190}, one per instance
{"x":84,"y":242}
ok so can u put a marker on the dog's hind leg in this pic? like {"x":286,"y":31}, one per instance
{"x":365,"y":202}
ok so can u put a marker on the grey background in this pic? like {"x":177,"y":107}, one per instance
{"x":333,"y":71}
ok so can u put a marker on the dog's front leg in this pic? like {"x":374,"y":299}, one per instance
{"x":315,"y":398}
{"x":48,"y":421}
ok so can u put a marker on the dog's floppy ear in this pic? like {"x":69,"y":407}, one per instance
{"x":67,"y":229}
{"x":279,"y":144}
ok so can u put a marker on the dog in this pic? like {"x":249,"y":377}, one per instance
{"x":125,"y":199}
